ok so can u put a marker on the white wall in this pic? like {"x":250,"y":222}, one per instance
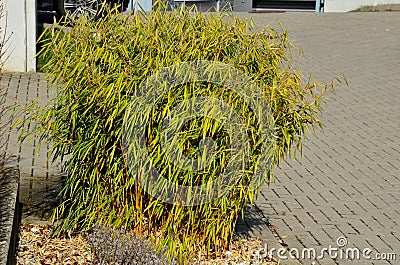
{"x":144,"y":5}
{"x":21,"y":25}
{"x":348,"y":5}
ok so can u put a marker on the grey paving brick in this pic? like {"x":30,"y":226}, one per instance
{"x":305,"y":219}
{"x":282,"y":228}
{"x":321,"y":236}
{"x":342,"y":209}
{"x":319,"y":217}
{"x":330,"y":213}
{"x":359,"y":226}
{"x":354,"y":207}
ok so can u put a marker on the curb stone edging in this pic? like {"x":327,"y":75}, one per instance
{"x":10,"y":215}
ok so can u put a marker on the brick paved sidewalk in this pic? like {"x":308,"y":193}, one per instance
{"x":40,"y":181}
{"x":347,"y":183}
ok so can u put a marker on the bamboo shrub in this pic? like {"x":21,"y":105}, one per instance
{"x":96,"y":68}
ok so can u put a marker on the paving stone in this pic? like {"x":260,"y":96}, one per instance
{"x":37,"y":191}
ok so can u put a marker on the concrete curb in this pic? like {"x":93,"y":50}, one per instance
{"x":10,"y":215}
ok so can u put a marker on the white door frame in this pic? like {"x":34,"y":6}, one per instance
{"x":20,"y":19}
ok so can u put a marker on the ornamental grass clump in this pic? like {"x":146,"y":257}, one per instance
{"x":97,"y":68}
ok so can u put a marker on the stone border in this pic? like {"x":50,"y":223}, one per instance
{"x":10,"y":215}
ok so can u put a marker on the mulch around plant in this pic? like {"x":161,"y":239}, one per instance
{"x":37,"y":247}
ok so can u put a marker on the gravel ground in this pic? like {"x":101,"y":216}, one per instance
{"x":36,"y":247}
